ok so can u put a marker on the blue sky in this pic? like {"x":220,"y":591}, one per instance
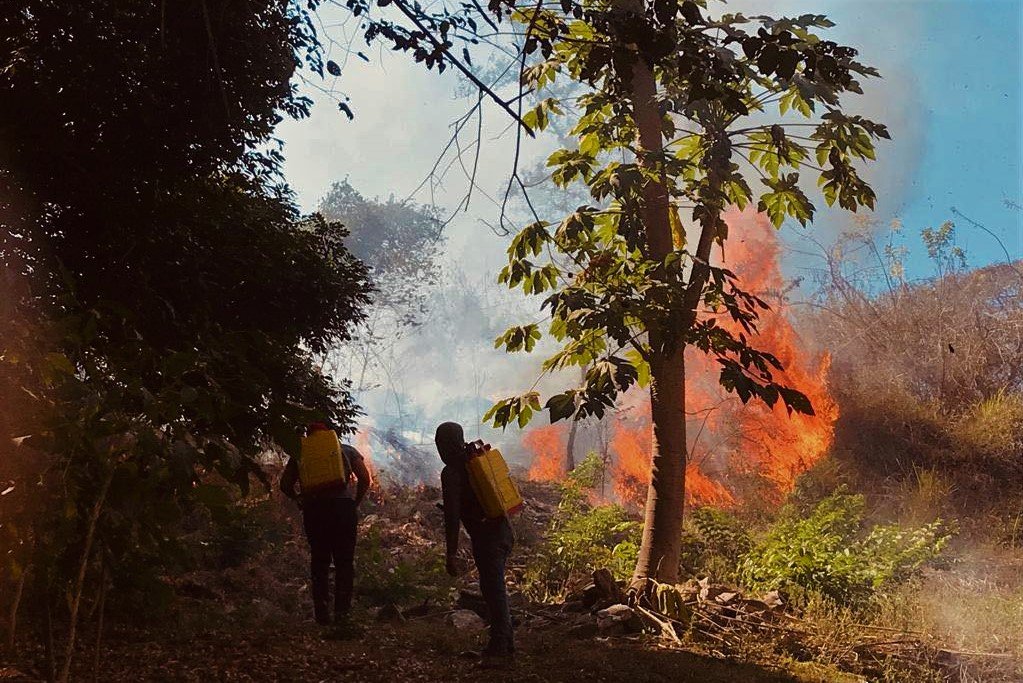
{"x":969,"y":64}
{"x":951,"y":95}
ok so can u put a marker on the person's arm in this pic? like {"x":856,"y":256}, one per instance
{"x":363,"y":478}
{"x":451,"y":490}
{"x":289,"y":479}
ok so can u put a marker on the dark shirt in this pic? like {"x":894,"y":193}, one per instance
{"x":461,"y":506}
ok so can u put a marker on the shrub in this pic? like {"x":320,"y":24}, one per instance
{"x":383,"y":579}
{"x":712,"y":543}
{"x":581,"y":537}
{"x":830,"y":552}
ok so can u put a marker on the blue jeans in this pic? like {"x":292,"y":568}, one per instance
{"x":491,"y":544}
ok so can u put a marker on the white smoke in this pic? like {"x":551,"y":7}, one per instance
{"x":448,"y":369}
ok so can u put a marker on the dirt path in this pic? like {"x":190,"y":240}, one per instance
{"x":426,"y":650}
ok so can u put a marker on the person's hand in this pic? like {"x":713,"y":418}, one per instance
{"x":451,"y":565}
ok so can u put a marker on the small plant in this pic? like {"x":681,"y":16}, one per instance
{"x":384,"y":580}
{"x":712,"y":543}
{"x":829,"y":552}
{"x":581,"y":537}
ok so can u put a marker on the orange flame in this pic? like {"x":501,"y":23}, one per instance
{"x":727,"y":438}
{"x":632,"y":444}
{"x":362,"y":445}
{"x":548,"y":445}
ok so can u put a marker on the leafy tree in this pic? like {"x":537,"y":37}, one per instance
{"x":169,"y":298}
{"x":674,"y":121}
{"x":398,"y":240}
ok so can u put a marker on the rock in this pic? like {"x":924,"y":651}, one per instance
{"x":773,"y":600}
{"x":391,"y":613}
{"x":618,"y":618}
{"x":591,"y":595}
{"x":710,"y":591}
{"x":726,"y":598}
{"x":606,"y":585}
{"x":469,"y":600}
{"x":466,"y":620}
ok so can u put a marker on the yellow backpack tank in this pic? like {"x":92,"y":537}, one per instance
{"x":322,"y":466}
{"x":491,"y":481}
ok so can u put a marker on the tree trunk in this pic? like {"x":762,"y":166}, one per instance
{"x":662,"y":528}
{"x":665,"y":502}
{"x":76,"y":599}
{"x":570,"y":448}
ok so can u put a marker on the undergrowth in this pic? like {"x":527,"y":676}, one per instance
{"x":581,"y":537}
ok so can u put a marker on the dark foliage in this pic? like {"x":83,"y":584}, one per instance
{"x":164,"y":299}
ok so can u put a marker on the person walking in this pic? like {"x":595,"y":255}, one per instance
{"x":329,"y":505}
{"x":491,"y":540}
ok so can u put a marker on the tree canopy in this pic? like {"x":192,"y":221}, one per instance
{"x":170,"y":298}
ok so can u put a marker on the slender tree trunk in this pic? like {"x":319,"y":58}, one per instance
{"x":570,"y":448}
{"x":12,"y":623}
{"x":662,"y":529}
{"x":665,"y":503}
{"x":76,"y":600}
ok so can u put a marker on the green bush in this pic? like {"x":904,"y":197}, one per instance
{"x":383,"y":579}
{"x":581,"y":537}
{"x":830,"y":552}
{"x":712,"y":543}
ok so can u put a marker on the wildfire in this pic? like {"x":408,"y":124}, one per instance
{"x":548,"y":445}
{"x":733,"y":448}
{"x":362,"y":445}
{"x":632,"y":445}
{"x":729,"y":441}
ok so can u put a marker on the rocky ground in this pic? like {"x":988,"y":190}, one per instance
{"x":252,"y":621}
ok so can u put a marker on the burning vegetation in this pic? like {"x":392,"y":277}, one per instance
{"x":735,"y":449}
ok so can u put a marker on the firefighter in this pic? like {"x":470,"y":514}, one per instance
{"x":491,"y":540}
{"x":329,"y":504}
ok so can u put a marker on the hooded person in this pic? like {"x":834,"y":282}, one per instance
{"x":491,"y":539}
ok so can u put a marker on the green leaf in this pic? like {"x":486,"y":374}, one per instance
{"x":561,"y":406}
{"x":785,"y":199}
{"x":641,"y":366}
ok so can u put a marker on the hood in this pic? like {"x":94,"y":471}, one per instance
{"x":450,"y":442}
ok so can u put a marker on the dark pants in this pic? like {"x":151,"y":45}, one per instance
{"x":491,"y":544}
{"x":330,"y":525}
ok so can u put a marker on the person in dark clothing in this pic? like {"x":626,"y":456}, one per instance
{"x":491,"y":539}
{"x":330,"y":520}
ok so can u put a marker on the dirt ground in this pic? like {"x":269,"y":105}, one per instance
{"x":415,"y":651}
